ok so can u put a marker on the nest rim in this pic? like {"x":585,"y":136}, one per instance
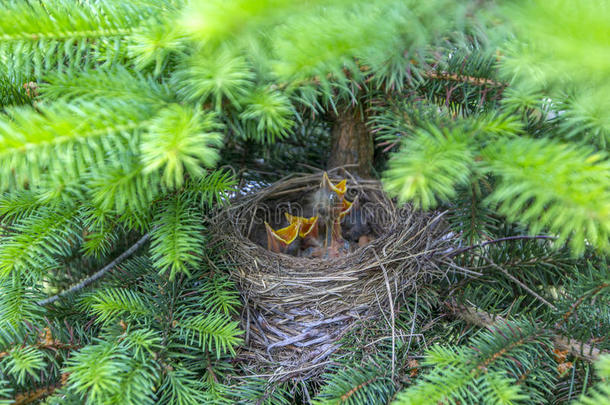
{"x":290,"y":302}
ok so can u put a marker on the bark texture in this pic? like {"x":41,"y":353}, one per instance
{"x":351,"y":143}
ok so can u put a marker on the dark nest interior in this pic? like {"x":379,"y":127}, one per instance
{"x":297,"y":309}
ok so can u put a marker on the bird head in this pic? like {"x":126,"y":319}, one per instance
{"x":328,"y":199}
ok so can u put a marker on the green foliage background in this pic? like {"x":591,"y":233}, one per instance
{"x":122,"y":120}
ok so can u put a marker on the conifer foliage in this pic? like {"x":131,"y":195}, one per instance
{"x":123,"y":124}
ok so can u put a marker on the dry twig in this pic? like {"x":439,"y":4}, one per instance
{"x":484,"y":319}
{"x":98,"y":274}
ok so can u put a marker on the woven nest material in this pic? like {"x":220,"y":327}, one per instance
{"x":296,"y":308}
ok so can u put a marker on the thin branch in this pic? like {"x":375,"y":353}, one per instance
{"x":486,"y":320}
{"x":489,"y":242}
{"x":98,"y":274}
{"x":522,"y":284}
{"x":479,"y":81}
{"x":579,"y":301}
{"x":37,"y":394}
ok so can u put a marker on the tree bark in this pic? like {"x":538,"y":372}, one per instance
{"x":352,"y":143}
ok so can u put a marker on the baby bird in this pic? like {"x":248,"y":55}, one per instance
{"x":280,"y":241}
{"x":309,"y":226}
{"x":328,"y":205}
{"x":308,"y":233}
{"x":356,"y":225}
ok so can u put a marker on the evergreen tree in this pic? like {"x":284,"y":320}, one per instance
{"x":124,"y":124}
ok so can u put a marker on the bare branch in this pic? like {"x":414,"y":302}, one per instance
{"x":486,"y":320}
{"x":98,"y":274}
{"x":489,"y":242}
{"x":522,"y":284}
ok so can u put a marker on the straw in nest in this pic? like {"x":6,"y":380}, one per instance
{"x":297,"y":309}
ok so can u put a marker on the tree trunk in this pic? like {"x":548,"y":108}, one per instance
{"x":352,"y":143}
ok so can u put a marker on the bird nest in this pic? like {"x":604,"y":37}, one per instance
{"x":297,"y":309}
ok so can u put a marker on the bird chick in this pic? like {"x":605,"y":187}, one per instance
{"x":330,"y":206}
{"x":327,"y":201}
{"x":356,"y":225}
{"x":308,"y":231}
{"x":309,"y":226}
{"x":280,"y":241}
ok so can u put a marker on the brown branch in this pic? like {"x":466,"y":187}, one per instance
{"x":55,"y":345}
{"x":496,"y":355}
{"x":351,"y":392}
{"x":98,"y":274}
{"x":479,"y":81}
{"x":430,"y":74}
{"x":35,"y":395}
{"x":522,"y":284}
{"x":31,"y":396}
{"x":480,"y":318}
{"x":579,"y":301}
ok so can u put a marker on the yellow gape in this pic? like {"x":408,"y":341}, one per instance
{"x":331,"y":206}
{"x":278,"y":241}
{"x":309,"y":226}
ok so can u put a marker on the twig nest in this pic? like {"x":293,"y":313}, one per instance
{"x":297,"y":308}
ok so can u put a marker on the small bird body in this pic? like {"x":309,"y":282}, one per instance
{"x":356,"y":226}
{"x":330,"y":206}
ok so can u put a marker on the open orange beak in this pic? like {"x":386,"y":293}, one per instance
{"x":346,"y":208}
{"x":277,"y":241}
{"x":309,"y":226}
{"x":340,"y":188}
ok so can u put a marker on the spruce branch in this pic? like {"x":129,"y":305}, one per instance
{"x":67,"y":19}
{"x":212,"y":332}
{"x":579,"y":301}
{"x":486,"y":370}
{"x":113,"y":304}
{"x":520,"y":283}
{"x":123,"y":187}
{"x":38,"y":240}
{"x":112,"y":84}
{"x":478,"y":81}
{"x":64,"y":139}
{"x":98,"y":274}
{"x":65,"y":35}
{"x":354,"y":384}
{"x":177,"y":237}
{"x":505,"y":239}
{"x":54,"y":345}
{"x":486,"y":320}
{"x":429,"y":166}
{"x":40,"y":393}
{"x":180,"y":141}
{"x":562,"y":188}
{"x":599,"y":394}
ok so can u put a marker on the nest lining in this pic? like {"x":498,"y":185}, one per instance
{"x":297,"y":309}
